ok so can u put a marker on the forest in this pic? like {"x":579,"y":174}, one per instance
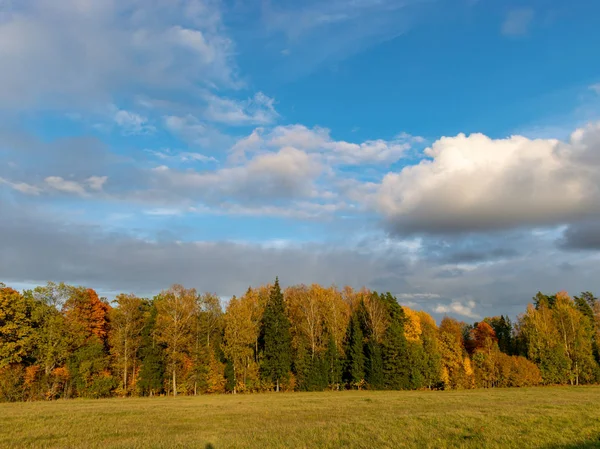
{"x":63,"y":341}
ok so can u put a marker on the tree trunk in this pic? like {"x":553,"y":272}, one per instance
{"x":234,"y":380}
{"x":174,"y":383}
{"x":277,"y":388}
{"x":125,"y":370}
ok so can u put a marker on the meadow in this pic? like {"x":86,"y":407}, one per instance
{"x":541,"y":417}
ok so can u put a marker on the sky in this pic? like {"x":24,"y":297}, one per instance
{"x":447,"y":151}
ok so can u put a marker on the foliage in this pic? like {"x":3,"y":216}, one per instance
{"x":62,"y":341}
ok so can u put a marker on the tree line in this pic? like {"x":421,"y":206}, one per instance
{"x":63,"y":341}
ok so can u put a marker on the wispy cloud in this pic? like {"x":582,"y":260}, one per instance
{"x":184,"y":156}
{"x":517,"y":22}
{"x":258,"y":110}
{"x":132,"y":123}
{"x":315,"y":33}
{"x":22,"y":187}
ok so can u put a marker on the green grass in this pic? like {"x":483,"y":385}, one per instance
{"x":559,"y":417}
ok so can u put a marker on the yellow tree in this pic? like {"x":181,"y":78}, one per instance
{"x":257,"y":299}
{"x":412,"y":326}
{"x":545,"y":347}
{"x":354,"y":298}
{"x":16,"y":332}
{"x":575,"y":332}
{"x":175,"y":325}
{"x":376,"y":317}
{"x":456,"y":368}
{"x":432,"y":363}
{"x":306,"y":312}
{"x":127,"y":321}
{"x":239,"y":336}
{"x":337,"y":316}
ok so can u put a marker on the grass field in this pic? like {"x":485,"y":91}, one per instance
{"x":502,"y":418}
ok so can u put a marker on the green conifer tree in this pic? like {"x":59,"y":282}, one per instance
{"x":374,"y":365}
{"x":275,"y":339}
{"x":396,"y":375}
{"x":333,"y":364}
{"x":354,"y":371}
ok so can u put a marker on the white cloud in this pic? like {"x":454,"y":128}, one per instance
{"x":73,"y":52}
{"x":458,"y":308}
{"x":471,"y":183}
{"x":95,"y":183}
{"x":259,"y":110}
{"x":595,"y":88}
{"x":318,"y":141}
{"x":63,"y":185}
{"x":132,"y":123}
{"x":22,"y":187}
{"x":517,"y":22}
{"x":198,"y":133}
{"x":161,"y":211}
{"x":184,"y":156}
{"x":289,"y":173}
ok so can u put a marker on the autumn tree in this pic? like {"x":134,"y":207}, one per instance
{"x":432,"y":358}
{"x":175,"y":325}
{"x":238,"y":339}
{"x":125,"y":338}
{"x":53,"y":341}
{"x":87,"y":315}
{"x":275,"y":338}
{"x":16,"y":332}
{"x":542,"y":342}
{"x":503,"y":329}
{"x":456,"y":368}
{"x":576,"y":333}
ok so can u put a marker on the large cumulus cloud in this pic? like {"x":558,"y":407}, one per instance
{"x":475,"y":183}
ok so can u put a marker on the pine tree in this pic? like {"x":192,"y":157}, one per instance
{"x":276,"y":339}
{"x":354,"y":371}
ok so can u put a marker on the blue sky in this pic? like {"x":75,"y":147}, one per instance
{"x":444,"y":150}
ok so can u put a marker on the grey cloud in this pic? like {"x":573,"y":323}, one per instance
{"x":474,"y":248}
{"x":90,"y":51}
{"x":36,"y":247}
{"x":582,"y":236}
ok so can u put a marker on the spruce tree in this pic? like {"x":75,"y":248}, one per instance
{"x":396,"y":375}
{"x":374,"y":365}
{"x":354,"y":371}
{"x":276,"y":340}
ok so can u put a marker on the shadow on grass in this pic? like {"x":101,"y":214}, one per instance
{"x":209,"y":446}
